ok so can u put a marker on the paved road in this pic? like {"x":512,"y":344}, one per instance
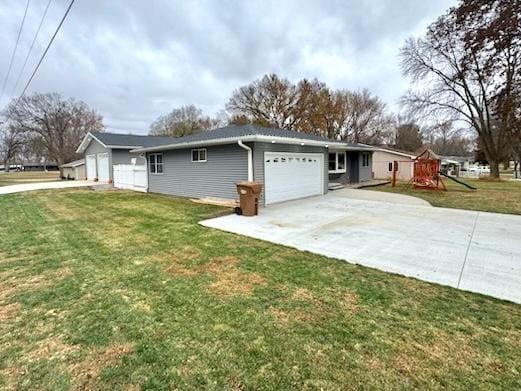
{"x":45,"y":185}
{"x":474,"y":251}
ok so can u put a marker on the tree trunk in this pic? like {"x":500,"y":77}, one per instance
{"x":6,"y":165}
{"x":494,"y":169}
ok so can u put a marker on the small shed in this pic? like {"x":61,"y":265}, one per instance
{"x":73,"y":170}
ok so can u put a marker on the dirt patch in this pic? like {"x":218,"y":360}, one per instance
{"x":19,"y":283}
{"x":349,"y":303}
{"x":289,"y":317}
{"x":302,"y":294}
{"x":85,"y":372}
{"x":312,"y":309}
{"x":229,"y":280}
{"x":450,"y":350}
{"x":178,"y":256}
{"x":235,"y":282}
{"x":9,"y":375}
{"x":8,"y":311}
{"x":50,"y":348}
{"x":62,"y":210}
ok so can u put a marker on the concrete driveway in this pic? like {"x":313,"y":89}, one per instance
{"x":45,"y":185}
{"x":474,"y":251}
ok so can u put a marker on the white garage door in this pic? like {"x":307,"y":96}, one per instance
{"x":103,"y":167}
{"x":91,"y":167}
{"x":288,"y":176}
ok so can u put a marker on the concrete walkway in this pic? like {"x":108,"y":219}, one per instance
{"x":474,"y":251}
{"x":45,"y":185}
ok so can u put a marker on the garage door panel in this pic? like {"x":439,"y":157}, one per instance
{"x":90,"y":166}
{"x":103,"y":167}
{"x":292,"y":175}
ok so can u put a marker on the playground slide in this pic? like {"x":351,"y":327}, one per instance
{"x":457,"y":181}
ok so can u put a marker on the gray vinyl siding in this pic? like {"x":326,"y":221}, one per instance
{"x":123,"y":156}
{"x":258,"y":159}
{"x":93,"y":149}
{"x":365,"y":173}
{"x":226,"y":165}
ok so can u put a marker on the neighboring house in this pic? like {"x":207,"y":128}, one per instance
{"x":73,"y":170}
{"x":104,"y":150}
{"x":384,"y":158}
{"x":40,"y":166}
{"x":290,"y":164}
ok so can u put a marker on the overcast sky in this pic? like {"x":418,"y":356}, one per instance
{"x":133,"y":60}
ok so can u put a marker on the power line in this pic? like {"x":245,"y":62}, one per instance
{"x":31,"y":47}
{"x":46,"y":49}
{"x":41,"y":58}
{"x":14,"y":51}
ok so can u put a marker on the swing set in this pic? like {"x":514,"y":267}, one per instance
{"x":427,"y":173}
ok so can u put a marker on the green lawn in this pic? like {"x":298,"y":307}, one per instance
{"x":490,"y":196}
{"x":122,"y":290}
{"x":16,"y":178}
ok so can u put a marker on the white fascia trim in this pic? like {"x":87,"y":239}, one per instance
{"x":233,"y":140}
{"x":123,"y":146}
{"x":395,"y":153}
{"x":86,"y":140}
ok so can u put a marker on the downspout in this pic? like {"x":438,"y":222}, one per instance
{"x":250,"y":160}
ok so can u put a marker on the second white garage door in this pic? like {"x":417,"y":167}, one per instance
{"x":103,"y":167}
{"x":288,"y":176}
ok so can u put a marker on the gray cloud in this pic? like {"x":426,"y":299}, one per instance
{"x":133,"y":60}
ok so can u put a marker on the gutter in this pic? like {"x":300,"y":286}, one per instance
{"x":250,"y":159}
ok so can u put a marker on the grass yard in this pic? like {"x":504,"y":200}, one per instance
{"x":490,"y":196}
{"x":16,"y":178}
{"x":124,"y":291}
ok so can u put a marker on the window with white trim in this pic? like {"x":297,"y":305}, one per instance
{"x":337,"y":162}
{"x":365,"y":159}
{"x":199,"y":155}
{"x":391,"y":166}
{"x":155,"y":163}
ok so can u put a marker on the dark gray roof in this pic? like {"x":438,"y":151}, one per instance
{"x":234,"y":131}
{"x":74,"y":163}
{"x":227,"y":132}
{"x":131,"y":140}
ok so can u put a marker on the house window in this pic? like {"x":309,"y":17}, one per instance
{"x":337,"y":162}
{"x":365,"y":160}
{"x":199,"y":155}
{"x":155,"y":163}
{"x":391,"y":166}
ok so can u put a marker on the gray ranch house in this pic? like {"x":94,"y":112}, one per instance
{"x":289,"y":164}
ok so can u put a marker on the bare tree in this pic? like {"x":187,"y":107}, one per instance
{"x":269,"y":101}
{"x":310,"y":107}
{"x":461,"y":71}
{"x":55,"y":124}
{"x":366,"y":118}
{"x":11,"y":143}
{"x":408,"y":137}
{"x":447,"y":139}
{"x":182,"y":121}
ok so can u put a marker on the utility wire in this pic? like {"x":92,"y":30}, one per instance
{"x":31,"y":47}
{"x":46,"y":49}
{"x":14,"y":51}
{"x":41,"y":58}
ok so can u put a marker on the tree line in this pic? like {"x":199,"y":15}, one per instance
{"x":45,"y":127}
